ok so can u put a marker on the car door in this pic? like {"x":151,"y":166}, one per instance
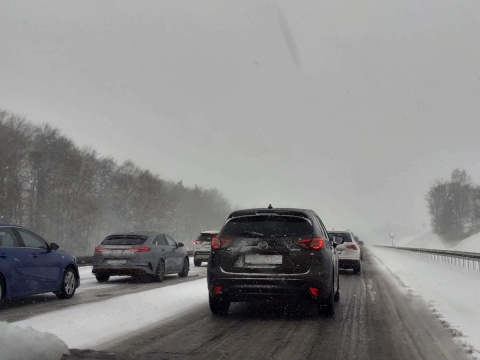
{"x":162,"y":249}
{"x":44,"y":266}
{"x":14,"y":260}
{"x":176,"y":254}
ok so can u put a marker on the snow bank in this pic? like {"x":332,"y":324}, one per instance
{"x":434,"y":242}
{"x":26,"y":343}
{"x":90,"y":325}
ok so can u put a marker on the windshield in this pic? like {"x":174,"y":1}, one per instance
{"x":173,"y":118}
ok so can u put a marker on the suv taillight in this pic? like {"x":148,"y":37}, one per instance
{"x":98,"y":249}
{"x":312,"y":243}
{"x":351,"y":246}
{"x":218,"y":243}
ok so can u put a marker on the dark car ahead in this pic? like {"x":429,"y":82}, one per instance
{"x":273,"y":255}
{"x":138,"y":254}
{"x":30,"y":265}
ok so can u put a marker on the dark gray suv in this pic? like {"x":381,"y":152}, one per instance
{"x":270,"y":255}
{"x":140,"y":253}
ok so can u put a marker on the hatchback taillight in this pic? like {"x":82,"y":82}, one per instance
{"x":140,"y":249}
{"x":98,"y":249}
{"x":312,"y":243}
{"x":218,"y":243}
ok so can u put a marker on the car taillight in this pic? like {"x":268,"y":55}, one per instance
{"x":314,"y":291}
{"x":312,"y":243}
{"x":351,"y":246}
{"x":217,"y":243}
{"x":98,"y":249}
{"x":217,"y":290}
{"x":140,"y":248}
{"x":195,"y":242}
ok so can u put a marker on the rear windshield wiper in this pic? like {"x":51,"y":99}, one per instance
{"x":251,"y":233}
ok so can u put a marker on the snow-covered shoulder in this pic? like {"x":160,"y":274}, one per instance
{"x":27,"y":343}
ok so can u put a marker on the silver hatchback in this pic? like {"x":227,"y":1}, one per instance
{"x":138,"y":254}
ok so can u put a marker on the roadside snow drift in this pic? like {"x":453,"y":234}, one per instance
{"x":18,"y":343}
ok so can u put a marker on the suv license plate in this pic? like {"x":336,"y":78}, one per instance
{"x":256,"y":259}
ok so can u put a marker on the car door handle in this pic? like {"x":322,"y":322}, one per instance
{"x":3,"y":255}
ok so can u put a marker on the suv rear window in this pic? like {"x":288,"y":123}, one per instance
{"x":346,"y":236}
{"x":124,"y":240}
{"x":267,"y":226}
{"x":206,"y":237}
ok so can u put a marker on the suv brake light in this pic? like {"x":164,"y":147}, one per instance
{"x":217,"y":243}
{"x":312,"y":243}
{"x":351,"y":246}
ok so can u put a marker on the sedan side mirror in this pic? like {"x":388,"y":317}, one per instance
{"x":53,"y":246}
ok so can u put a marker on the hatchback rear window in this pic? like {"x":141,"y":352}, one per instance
{"x":124,"y":240}
{"x":267,"y":226}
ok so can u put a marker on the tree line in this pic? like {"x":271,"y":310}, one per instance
{"x":75,"y":197}
{"x":454,"y":207}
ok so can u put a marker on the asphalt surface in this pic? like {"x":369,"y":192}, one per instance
{"x":375,"y":319}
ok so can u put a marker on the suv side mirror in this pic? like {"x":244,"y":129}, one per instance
{"x":337,"y":240}
{"x":180,"y":245}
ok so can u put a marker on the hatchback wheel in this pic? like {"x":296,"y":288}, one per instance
{"x":102,"y":278}
{"x":219,"y":306}
{"x":160,"y":272}
{"x":185,"y":269}
{"x":68,"y":286}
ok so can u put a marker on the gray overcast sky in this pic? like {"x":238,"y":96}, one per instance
{"x":352,"y":108}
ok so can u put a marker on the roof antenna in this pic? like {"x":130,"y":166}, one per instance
{"x":270,"y":206}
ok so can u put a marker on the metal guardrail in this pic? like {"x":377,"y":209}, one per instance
{"x":469,"y":260}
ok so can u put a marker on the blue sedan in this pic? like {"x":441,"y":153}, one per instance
{"x":30,"y":265}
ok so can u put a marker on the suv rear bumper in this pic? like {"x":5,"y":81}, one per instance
{"x":199,"y":255}
{"x":238,"y":289}
{"x":348,"y":263}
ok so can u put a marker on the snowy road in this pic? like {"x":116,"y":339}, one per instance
{"x":376,"y":319}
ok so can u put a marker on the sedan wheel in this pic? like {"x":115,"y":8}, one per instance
{"x":160,"y":272}
{"x":2,"y":289}
{"x":185,"y":269}
{"x":68,"y":286}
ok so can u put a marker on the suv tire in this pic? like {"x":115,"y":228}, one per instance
{"x":197,"y":263}
{"x":219,"y":306}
